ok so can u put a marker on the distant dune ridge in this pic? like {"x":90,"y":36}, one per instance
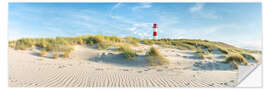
{"x":111,"y":61}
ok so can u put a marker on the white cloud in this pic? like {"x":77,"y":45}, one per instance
{"x":132,"y":29}
{"x":142,"y":6}
{"x":247,"y":44}
{"x":116,"y":6}
{"x":122,"y":19}
{"x":196,"y":8}
{"x":142,"y":30}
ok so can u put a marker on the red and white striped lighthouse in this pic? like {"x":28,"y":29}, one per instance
{"x":155,"y":34}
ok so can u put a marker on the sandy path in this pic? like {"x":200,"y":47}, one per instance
{"x":27,"y":69}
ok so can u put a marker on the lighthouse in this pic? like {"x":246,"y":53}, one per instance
{"x":155,"y":34}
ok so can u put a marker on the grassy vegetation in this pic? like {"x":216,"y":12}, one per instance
{"x":132,"y":40}
{"x":235,"y":65}
{"x":12,"y":44}
{"x":200,"y":55}
{"x":197,"y":45}
{"x":128,"y":52}
{"x":156,"y":58}
{"x":67,"y":54}
{"x":210,"y":56}
{"x":249,"y":57}
{"x":55,"y":55}
{"x":24,"y":43}
{"x":148,"y":42}
{"x":202,"y":47}
{"x":43,"y":52}
{"x":65,"y":45}
{"x":236,"y":58}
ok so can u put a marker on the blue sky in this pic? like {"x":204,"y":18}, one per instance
{"x":234,"y":23}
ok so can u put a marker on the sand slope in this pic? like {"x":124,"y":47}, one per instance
{"x":89,"y":67}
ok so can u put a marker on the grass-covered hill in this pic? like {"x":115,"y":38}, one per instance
{"x":64,"y":45}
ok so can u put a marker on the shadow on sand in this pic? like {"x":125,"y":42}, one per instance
{"x":192,"y":57}
{"x":38,"y":55}
{"x":119,"y":59}
{"x":206,"y":65}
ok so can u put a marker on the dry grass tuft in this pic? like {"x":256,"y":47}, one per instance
{"x":43,"y":52}
{"x":66,"y":54}
{"x":12,"y":44}
{"x":235,"y":65}
{"x":24,"y":43}
{"x":128,"y":52}
{"x":249,"y":57}
{"x":132,"y":40}
{"x":210,"y":56}
{"x":148,"y":42}
{"x":200,"y":55}
{"x":55,"y":55}
{"x":236,"y":58}
{"x":156,"y":58}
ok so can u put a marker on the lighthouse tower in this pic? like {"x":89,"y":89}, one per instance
{"x":155,"y":35}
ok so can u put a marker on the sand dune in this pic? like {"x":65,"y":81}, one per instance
{"x":89,"y":67}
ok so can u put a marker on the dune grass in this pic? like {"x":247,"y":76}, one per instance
{"x":196,"y":45}
{"x":11,"y":44}
{"x":103,"y":45}
{"x":24,"y":43}
{"x":104,"y":42}
{"x":55,"y":55}
{"x":128,"y":52}
{"x":66,"y":54}
{"x":43,"y":52}
{"x":249,"y":57}
{"x":148,"y":42}
{"x":154,"y":57}
{"x":234,"y":64}
{"x":235,"y":57}
{"x":65,"y":44}
{"x":132,"y":40}
{"x":200,"y":55}
{"x":210,"y":56}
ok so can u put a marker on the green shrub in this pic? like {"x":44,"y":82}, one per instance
{"x":154,"y":57}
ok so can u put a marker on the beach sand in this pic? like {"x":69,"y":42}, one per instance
{"x":89,"y":67}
